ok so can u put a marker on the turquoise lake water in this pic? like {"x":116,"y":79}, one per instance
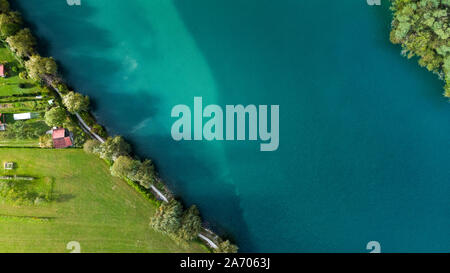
{"x":364,"y":133}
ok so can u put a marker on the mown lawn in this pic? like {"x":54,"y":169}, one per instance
{"x":99,"y":211}
{"x":18,"y":142}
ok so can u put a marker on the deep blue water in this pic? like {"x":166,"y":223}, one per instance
{"x":364,"y":133}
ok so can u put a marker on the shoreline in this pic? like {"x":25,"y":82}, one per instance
{"x":157,"y":193}
{"x":95,"y":131}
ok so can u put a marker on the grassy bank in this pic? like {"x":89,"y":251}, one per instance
{"x":101,"y":212}
{"x":69,"y":110}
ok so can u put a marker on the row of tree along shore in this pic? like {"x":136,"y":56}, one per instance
{"x":423,"y":29}
{"x":171,"y":218}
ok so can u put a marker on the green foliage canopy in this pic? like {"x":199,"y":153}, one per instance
{"x":10,"y":24}
{"x":167,"y":218}
{"x":226,"y":247}
{"x":191,"y":224}
{"x":91,"y":146}
{"x":422,"y":27}
{"x":4,"y":6}
{"x":22,"y":43}
{"x":55,"y":116}
{"x":113,"y":148}
{"x":38,"y":66}
{"x":75,"y":102}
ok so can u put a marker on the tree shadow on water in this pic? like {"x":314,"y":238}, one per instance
{"x":197,"y":180}
{"x":50,"y":20}
{"x":430,"y":87}
{"x":191,"y":176}
{"x":125,"y":113}
{"x":74,"y":40}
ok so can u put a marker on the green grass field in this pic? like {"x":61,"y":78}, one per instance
{"x":18,"y":142}
{"x":101,"y":212}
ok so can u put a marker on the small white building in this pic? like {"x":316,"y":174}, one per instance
{"x":23,"y":116}
{"x":9,"y":165}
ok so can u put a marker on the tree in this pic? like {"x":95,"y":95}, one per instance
{"x":145,"y":175}
{"x":112,"y":148}
{"x":16,"y":130}
{"x":10,"y":24}
{"x":15,"y":17}
{"x":99,"y":130}
{"x":22,"y":43}
{"x":191,"y":224}
{"x":226,"y":247}
{"x":38,"y":66}
{"x":23,"y":75}
{"x":447,"y":75}
{"x":4,"y":6}
{"x":91,"y":146}
{"x":62,"y":87}
{"x":125,"y":166}
{"x":423,"y":30}
{"x":167,"y":218}
{"x":55,"y":116}
{"x":75,"y":102}
{"x":141,"y":172}
{"x":46,"y":141}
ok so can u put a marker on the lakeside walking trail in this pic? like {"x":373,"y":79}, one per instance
{"x":88,"y":129}
{"x":346,"y":172}
{"x":83,"y":124}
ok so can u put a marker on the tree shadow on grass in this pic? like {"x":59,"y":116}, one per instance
{"x":27,"y":217}
{"x":26,"y":85}
{"x":63,"y":197}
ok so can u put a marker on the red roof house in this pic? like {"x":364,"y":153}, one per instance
{"x":2,"y":71}
{"x":58,"y":133}
{"x":61,"y":138}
